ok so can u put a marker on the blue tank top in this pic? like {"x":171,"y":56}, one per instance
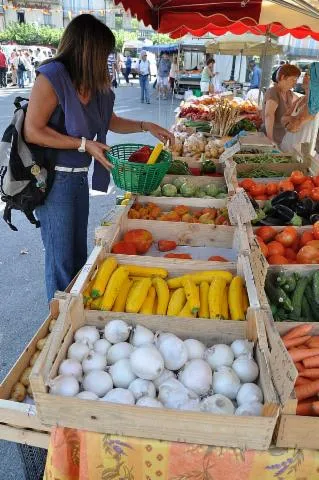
{"x":79,"y":120}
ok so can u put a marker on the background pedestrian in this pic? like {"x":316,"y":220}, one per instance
{"x":144,"y":75}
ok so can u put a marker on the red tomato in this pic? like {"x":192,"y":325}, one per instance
{"x":261,"y":197}
{"x":315,"y":230}
{"x":287,"y":236}
{"x":217,"y":258}
{"x":257,"y":189}
{"x":308,"y":254}
{"x":315,"y":194}
{"x":286,"y":186}
{"x":266,"y":233}
{"x":296,"y":245}
{"x":166,"y":245}
{"x":183,"y":256}
{"x":275,"y":248}
{"x":263,"y":246}
{"x":290,"y":254}
{"x":277,"y":260}
{"x":308,"y":184}
{"x":306,"y":237}
{"x":316,"y":180}
{"x":271,"y":189}
{"x":305,"y":193}
{"x":297,"y":177}
{"x":247,"y":184}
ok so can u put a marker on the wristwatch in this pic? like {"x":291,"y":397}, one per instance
{"x":81,"y":148}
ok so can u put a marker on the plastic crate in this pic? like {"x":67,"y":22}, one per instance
{"x":33,"y":461}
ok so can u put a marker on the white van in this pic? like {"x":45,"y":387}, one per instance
{"x":134,"y":48}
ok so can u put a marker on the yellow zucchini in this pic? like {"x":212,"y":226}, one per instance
{"x":96,"y":303}
{"x":120,"y":301}
{"x":192,"y":294}
{"x":113,"y":288}
{"x":87,"y":292}
{"x":162,"y":293}
{"x":137,"y":295}
{"x":89,"y":303}
{"x":177,"y":302}
{"x":139,"y":271}
{"x":199,"y":277}
{"x":155,"y":304}
{"x":245,"y":299}
{"x":215,"y":295}
{"x":224,"y":305}
{"x":147,"y":307}
{"x":203,"y":297}
{"x":235,"y":299}
{"x":103,"y":276}
{"x":155,"y":153}
{"x":186,"y":312}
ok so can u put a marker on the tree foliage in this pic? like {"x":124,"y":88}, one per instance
{"x":161,"y":38}
{"x":31,"y":34}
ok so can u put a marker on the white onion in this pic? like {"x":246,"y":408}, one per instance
{"x":226,"y":382}
{"x":87,"y":334}
{"x":165,"y":375}
{"x":71,"y":367}
{"x":64,"y":385}
{"x":249,"y":393}
{"x":85,"y":395}
{"x":218,"y":404}
{"x":219,"y":355}
{"x":195,"y":348}
{"x":147,"y":362}
{"x":121,"y":373}
{"x":173,"y":351}
{"x":246,"y":369}
{"x":93,"y":361}
{"x":142,"y":336}
{"x":159,"y":337}
{"x":242,"y":347}
{"x":173,"y":394}
{"x":118,"y":351}
{"x":149,"y":402}
{"x":98,"y":382}
{"x":197,"y":376}
{"x":78,"y":350}
{"x":102,"y":346}
{"x":117,"y":331}
{"x":250,"y":409}
{"x":192,"y":404}
{"x":119,"y":395}
{"x":142,"y":388}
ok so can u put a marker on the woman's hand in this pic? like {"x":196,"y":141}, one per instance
{"x":161,"y":133}
{"x":97,"y":150}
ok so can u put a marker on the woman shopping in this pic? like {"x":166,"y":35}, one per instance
{"x":71,"y":103}
{"x":278,"y":100}
{"x":206,"y":84}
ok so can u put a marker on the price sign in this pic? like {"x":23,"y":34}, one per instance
{"x":283,"y":370}
{"x":229,"y":152}
{"x":259,"y":266}
{"x":230,"y":174}
{"x":240,"y":205}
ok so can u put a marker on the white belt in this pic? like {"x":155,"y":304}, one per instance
{"x":71,"y":170}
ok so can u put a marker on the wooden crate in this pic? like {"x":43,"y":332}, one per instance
{"x":172,"y":425}
{"x":174,"y":267}
{"x":19,"y":421}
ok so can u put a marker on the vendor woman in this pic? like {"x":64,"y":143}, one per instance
{"x":71,"y":103}
{"x":278,"y":100}
{"x":206,"y":82}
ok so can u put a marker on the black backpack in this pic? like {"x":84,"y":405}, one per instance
{"x":26,"y":170}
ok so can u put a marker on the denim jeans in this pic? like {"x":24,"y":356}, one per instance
{"x":145,"y":92}
{"x":20,"y":75}
{"x":64,"y":220}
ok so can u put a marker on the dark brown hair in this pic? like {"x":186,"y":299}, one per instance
{"x":287,"y":71}
{"x":209,"y":61}
{"x":84,"y":49}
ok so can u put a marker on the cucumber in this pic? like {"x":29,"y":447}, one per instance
{"x":273,"y":309}
{"x":278,"y":296}
{"x":290,"y":284}
{"x":306,"y":309}
{"x":281,"y":279}
{"x":298,"y":294}
{"x":313,"y":305}
{"x":315,"y":286}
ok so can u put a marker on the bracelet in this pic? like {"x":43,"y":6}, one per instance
{"x":142,"y":128}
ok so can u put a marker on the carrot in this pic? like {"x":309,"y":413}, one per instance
{"x":309,"y":400}
{"x":299,"y":331}
{"x":313,"y":342}
{"x":299,"y":366}
{"x":299,"y":354}
{"x":304,"y":409}
{"x":315,"y":407}
{"x":301,"y":381}
{"x":311,"y":362}
{"x":310,"y":373}
{"x":295,"y":342}
{"x":307,"y":390}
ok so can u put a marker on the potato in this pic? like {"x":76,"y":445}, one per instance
{"x":30,"y":393}
{"x":34,"y":358}
{"x":41,"y":343}
{"x":18,"y":392}
{"x":25,"y":377}
{"x":51,"y":324}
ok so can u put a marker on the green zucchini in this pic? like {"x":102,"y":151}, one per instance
{"x":277,"y":295}
{"x":313,"y":305}
{"x":290,"y":284}
{"x":315,"y":286}
{"x":298,"y":294}
{"x":306,"y":309}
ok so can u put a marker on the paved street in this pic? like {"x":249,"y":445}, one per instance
{"x":23,"y":302}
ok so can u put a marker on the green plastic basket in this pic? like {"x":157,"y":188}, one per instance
{"x":136,"y":177}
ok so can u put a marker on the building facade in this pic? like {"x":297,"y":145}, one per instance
{"x":38,"y":12}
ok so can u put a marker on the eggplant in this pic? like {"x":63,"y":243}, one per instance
{"x":289,"y":199}
{"x":305,"y":222}
{"x":315,"y":207}
{"x":304,"y":207}
{"x":271,"y":222}
{"x":287,"y":215}
{"x":314,"y":218}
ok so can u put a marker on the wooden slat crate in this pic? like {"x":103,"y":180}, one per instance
{"x":174,"y":267}
{"x":173,"y":425}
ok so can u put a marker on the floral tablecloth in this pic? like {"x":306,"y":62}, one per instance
{"x":75,"y":454}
